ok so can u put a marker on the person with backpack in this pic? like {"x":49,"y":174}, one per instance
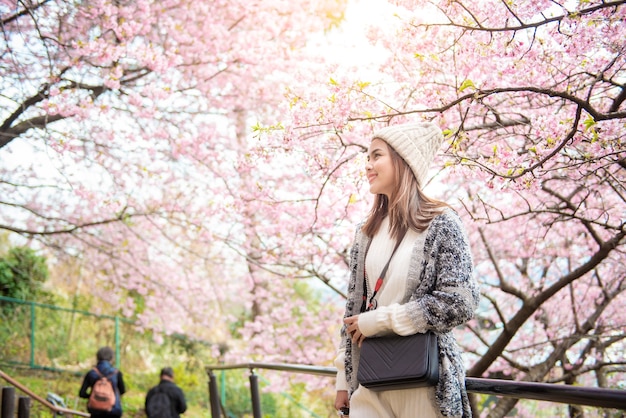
{"x":103,"y":387}
{"x":165,"y":400}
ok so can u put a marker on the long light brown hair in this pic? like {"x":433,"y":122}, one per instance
{"x":407,"y":207}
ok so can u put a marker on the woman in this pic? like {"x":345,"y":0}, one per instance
{"x":428,"y":285}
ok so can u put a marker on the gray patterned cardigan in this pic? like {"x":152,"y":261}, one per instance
{"x":441,"y":294}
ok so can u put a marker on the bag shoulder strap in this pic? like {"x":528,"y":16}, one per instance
{"x":371,"y":305}
{"x":113,"y":373}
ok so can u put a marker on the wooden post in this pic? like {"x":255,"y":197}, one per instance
{"x":23,"y":407}
{"x":8,"y":402}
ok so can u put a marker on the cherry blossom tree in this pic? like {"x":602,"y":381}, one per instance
{"x":123,"y":144}
{"x":203,"y":161}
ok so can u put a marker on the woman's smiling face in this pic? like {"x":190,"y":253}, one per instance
{"x":379,"y":168}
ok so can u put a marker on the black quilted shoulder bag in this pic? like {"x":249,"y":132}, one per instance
{"x":396,"y":362}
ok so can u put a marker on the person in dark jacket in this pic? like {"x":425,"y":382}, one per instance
{"x":104,"y":357}
{"x":177,"y":403}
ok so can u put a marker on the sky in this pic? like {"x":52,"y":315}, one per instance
{"x":349,"y":44}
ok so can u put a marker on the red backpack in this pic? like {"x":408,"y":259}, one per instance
{"x":102,"y":396}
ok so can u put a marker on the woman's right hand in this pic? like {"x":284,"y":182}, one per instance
{"x":341,"y":400}
{"x":353,"y":329}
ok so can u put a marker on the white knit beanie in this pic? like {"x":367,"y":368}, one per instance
{"x":416,"y":143}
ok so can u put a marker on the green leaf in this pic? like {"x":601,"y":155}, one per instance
{"x":467,"y":83}
{"x":589,"y":123}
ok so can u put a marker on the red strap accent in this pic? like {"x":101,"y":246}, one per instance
{"x":379,"y":282}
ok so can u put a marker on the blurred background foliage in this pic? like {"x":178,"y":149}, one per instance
{"x":48,"y":348}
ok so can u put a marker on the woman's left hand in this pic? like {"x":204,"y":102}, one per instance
{"x":353,"y":329}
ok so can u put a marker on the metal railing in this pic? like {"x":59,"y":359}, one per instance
{"x":566,"y":394}
{"x":32,"y":329}
{"x":24,"y":404}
